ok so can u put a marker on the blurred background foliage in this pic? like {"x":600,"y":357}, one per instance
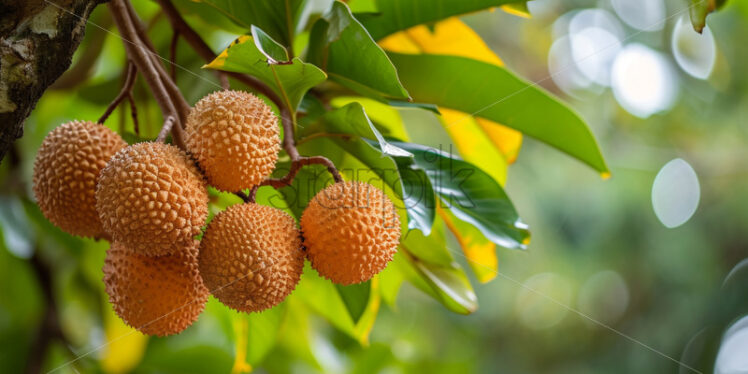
{"x":646,"y":252}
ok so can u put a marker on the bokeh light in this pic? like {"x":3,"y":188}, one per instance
{"x":604,"y":296}
{"x":733,"y":352}
{"x":643,"y":81}
{"x":675,"y":193}
{"x":646,"y":15}
{"x":534,"y":306}
{"x":695,"y":53}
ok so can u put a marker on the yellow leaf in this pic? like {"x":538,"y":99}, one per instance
{"x":480,"y":252}
{"x":449,"y":37}
{"x":241,"y":330}
{"x":508,"y":140}
{"x":454,"y":37}
{"x":473,"y":144}
{"x":219,"y":61}
{"x":518,"y":9}
{"x":124,"y":345}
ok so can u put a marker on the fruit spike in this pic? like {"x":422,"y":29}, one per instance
{"x":155,"y":295}
{"x":152,"y":198}
{"x":351,"y":231}
{"x":234,"y":136}
{"x":251,"y":257}
{"x":65,"y":172}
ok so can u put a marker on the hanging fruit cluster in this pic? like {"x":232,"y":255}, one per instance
{"x":151,"y":201}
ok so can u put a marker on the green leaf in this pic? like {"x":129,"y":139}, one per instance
{"x":262,"y":332}
{"x":209,"y":14}
{"x":425,"y":106}
{"x":290,"y":81}
{"x":340,"y":45}
{"x":355,"y":133}
{"x":492,"y":92}
{"x":396,"y":15}
{"x":471,"y":195}
{"x":356,"y":298}
{"x":280,"y":19}
{"x":270,"y":48}
{"x":428,"y":264}
{"x":699,"y":9}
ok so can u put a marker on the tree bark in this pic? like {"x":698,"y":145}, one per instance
{"x":37,"y":42}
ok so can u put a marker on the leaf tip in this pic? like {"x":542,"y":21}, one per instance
{"x":605,"y":175}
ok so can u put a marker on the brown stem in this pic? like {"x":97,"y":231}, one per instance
{"x":179,"y":101}
{"x":206,"y":53}
{"x":165,"y":129}
{"x":130,"y":74}
{"x":203,"y":49}
{"x":137,"y":50}
{"x":134,"y":114}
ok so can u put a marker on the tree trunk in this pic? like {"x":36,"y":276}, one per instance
{"x":37,"y":42}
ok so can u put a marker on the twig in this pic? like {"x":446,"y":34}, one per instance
{"x":178,"y":99}
{"x":203,"y":50}
{"x":134,"y":114}
{"x":136,"y":49}
{"x":131,"y":72}
{"x":182,"y":29}
{"x":165,"y":128}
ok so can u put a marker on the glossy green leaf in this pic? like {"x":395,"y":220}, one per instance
{"x":472,"y":195}
{"x":425,"y":106}
{"x":355,"y":133}
{"x":280,"y":19}
{"x":356,"y":298}
{"x":341,"y":46}
{"x":290,"y":81}
{"x":270,"y":48}
{"x":699,"y":9}
{"x":396,"y":15}
{"x":428,"y":264}
{"x":493,"y":92}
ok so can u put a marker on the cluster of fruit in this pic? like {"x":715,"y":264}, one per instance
{"x":150,"y":200}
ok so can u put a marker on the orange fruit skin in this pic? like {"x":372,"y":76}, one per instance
{"x":66,"y":168}
{"x":351,"y":232}
{"x":152,"y":198}
{"x":155,"y":295}
{"x":251,"y":257}
{"x":234,"y":137}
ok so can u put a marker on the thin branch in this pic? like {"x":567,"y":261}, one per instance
{"x":136,"y":49}
{"x":203,"y":50}
{"x":176,"y":95}
{"x":130,"y":74}
{"x":165,"y":129}
{"x":134,"y":114}
{"x":225,"y":84}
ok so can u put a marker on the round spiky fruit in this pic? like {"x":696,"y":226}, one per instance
{"x":155,"y":295}
{"x":351,"y":231}
{"x":65,"y":171}
{"x":234,"y":136}
{"x":251,"y":257}
{"x":152,"y":198}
